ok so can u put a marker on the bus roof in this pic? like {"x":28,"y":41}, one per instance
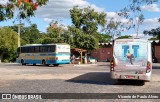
{"x":43,"y":44}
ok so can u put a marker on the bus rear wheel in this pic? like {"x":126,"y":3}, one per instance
{"x":56,"y":64}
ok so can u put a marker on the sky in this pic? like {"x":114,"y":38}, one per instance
{"x":59,"y":10}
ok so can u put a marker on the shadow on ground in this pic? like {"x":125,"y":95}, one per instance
{"x":46,"y":65}
{"x":131,"y":82}
{"x":102,"y":78}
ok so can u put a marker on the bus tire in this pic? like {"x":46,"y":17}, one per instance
{"x":34,"y":64}
{"x":22,"y":62}
{"x":47,"y":64}
{"x":56,"y":64}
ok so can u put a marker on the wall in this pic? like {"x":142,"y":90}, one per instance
{"x":157,"y":53}
{"x":102,"y":54}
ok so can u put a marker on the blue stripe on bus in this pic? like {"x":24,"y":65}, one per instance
{"x":48,"y":54}
{"x":57,"y":61}
{"x":43,"y":54}
{"x":51,"y":54}
{"x":29,"y":61}
{"x":63,"y":54}
{"x":33,"y":61}
{"x":54,"y":54}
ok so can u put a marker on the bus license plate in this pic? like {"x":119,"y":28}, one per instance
{"x":130,"y":77}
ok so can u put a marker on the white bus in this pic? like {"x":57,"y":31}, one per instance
{"x":46,"y":54}
{"x":132,"y":59}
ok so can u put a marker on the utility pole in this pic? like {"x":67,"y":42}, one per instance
{"x":19,"y":32}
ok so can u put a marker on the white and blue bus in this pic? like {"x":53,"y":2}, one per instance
{"x":45,"y":54}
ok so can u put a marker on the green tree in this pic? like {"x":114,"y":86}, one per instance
{"x":55,"y":29}
{"x":104,"y":38}
{"x":86,"y":41}
{"x":29,"y":35}
{"x":55,"y":33}
{"x":124,"y":37}
{"x":155,"y":32}
{"x":85,"y":25}
{"x":79,"y":39}
{"x":48,"y":40}
{"x":68,"y":38}
{"x":8,"y":43}
{"x":26,"y":8}
{"x":42,"y":36}
{"x":87,"y":19}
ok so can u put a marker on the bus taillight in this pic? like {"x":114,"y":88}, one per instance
{"x":111,"y":66}
{"x":56,"y":58}
{"x":148,"y":67}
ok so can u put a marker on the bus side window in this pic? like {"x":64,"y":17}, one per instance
{"x":31,"y":49}
{"x":37,"y":49}
{"x":27,"y":49}
{"x":53,"y":48}
{"x":42,"y":49}
{"x":22,"y":49}
{"x":48,"y":48}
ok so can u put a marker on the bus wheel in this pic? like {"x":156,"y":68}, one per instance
{"x":44,"y":62}
{"x":22,"y":62}
{"x":56,"y":64}
{"x":47,"y":64}
{"x":34,"y":64}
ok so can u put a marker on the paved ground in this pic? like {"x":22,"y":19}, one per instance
{"x":15,"y":78}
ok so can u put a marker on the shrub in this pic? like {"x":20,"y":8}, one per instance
{"x":5,"y":61}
